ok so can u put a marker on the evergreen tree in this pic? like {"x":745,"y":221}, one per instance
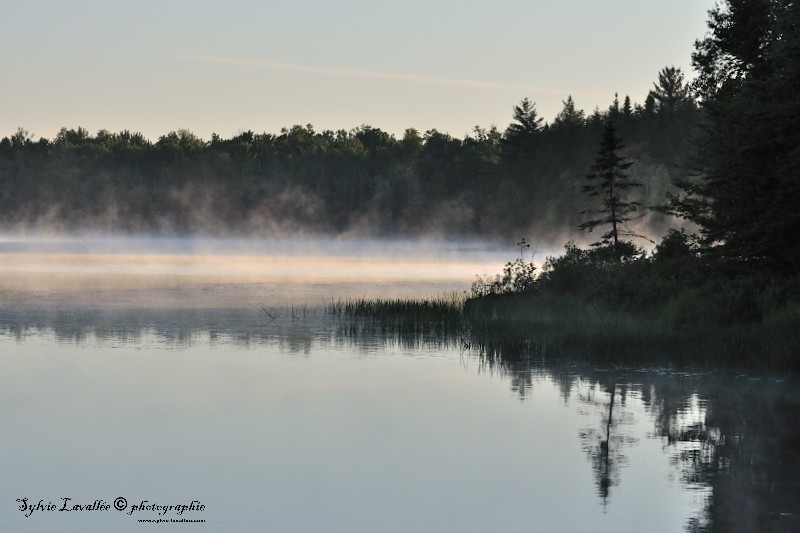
{"x":746,"y":195}
{"x":569,"y":116}
{"x":527,"y":120}
{"x":613,"y":109}
{"x":670,"y":94}
{"x":521,"y":134}
{"x":649,"y":105}
{"x":674,"y":111}
{"x":609,"y":181}
{"x":627,"y":108}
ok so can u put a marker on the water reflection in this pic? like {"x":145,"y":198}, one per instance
{"x":604,"y":443}
{"x":733,"y":440}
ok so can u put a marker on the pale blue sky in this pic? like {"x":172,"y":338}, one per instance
{"x":156,"y":66}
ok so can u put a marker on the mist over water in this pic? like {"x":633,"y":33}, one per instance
{"x":147,"y":272}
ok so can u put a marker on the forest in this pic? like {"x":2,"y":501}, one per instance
{"x":522,"y":180}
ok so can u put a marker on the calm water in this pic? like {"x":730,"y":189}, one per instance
{"x":175,"y":371}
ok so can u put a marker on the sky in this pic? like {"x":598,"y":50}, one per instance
{"x":208,"y":66}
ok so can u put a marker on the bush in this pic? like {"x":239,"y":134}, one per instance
{"x":676,"y":245}
{"x":688,"y":310}
{"x":517,"y":276}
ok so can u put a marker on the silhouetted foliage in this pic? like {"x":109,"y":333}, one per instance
{"x":745,"y":194}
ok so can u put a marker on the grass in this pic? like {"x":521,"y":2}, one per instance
{"x":441,"y":310}
{"x":435,"y":307}
{"x":437,"y":319}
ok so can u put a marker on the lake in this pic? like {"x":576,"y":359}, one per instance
{"x":207,"y":380}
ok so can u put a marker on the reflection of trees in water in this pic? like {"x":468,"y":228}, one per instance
{"x":682,"y":417}
{"x":732,"y":438}
{"x":748,"y":453}
{"x":604,"y":444}
{"x":735,"y":440}
{"x":521,"y":372}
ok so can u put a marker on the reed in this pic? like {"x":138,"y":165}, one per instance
{"x":445,"y":307}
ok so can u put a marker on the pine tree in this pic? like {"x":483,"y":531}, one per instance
{"x":520,"y":139}
{"x":609,"y":181}
{"x":527,"y":121}
{"x":627,"y":108}
{"x":569,"y":116}
{"x":671,"y":94}
{"x":746,"y":194}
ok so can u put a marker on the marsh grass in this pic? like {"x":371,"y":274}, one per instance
{"x":437,"y":319}
{"x":442,"y":308}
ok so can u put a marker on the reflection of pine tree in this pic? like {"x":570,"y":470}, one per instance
{"x":605,"y":446}
{"x":604,"y":465}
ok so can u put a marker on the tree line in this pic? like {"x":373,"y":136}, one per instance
{"x":523,"y":180}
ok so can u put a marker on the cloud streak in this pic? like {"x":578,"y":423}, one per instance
{"x":376,"y":75}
